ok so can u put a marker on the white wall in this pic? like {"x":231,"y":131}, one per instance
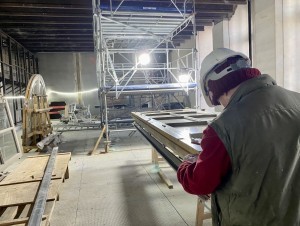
{"x":291,"y":41}
{"x":59,"y":73}
{"x":276,"y":36}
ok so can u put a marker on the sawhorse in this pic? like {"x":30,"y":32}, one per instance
{"x":156,"y":160}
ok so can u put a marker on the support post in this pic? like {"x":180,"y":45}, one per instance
{"x":201,"y":215}
{"x":155,"y":160}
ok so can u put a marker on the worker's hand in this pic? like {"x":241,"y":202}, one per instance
{"x":191,"y":158}
{"x":196,"y":141}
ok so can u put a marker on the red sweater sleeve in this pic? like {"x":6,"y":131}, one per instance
{"x":212,"y":165}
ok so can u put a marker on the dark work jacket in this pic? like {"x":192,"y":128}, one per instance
{"x":260,"y":129}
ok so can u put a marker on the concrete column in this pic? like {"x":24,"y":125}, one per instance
{"x":268,"y":38}
{"x":291,"y":40}
{"x":204,"y":46}
{"x":221,"y":35}
{"x":233,"y":33}
{"x":77,"y":75}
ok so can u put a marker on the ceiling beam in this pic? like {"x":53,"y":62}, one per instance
{"x":50,"y":33}
{"x":47,"y":26}
{"x":70,"y":39}
{"x":20,"y":22}
{"x":60,"y":26}
{"x":47,"y":15}
{"x":33,"y":29}
{"x":60,"y":50}
{"x":23,"y":5}
{"x":54,"y":42}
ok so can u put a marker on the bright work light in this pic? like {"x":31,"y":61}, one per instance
{"x":144,"y":58}
{"x":184,"y":78}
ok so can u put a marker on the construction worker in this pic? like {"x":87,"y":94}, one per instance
{"x":250,"y":152}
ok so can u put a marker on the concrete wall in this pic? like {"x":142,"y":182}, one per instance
{"x":276,"y":35}
{"x":59,"y":73}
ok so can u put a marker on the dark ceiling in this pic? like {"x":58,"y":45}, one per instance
{"x":67,"y":25}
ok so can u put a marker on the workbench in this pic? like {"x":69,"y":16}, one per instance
{"x":170,"y":133}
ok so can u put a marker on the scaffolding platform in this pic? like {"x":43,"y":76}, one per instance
{"x":62,"y":127}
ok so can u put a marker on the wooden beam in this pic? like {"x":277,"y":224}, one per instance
{"x":18,"y":221}
{"x":9,"y":213}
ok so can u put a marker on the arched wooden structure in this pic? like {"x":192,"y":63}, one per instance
{"x":36,"y":120}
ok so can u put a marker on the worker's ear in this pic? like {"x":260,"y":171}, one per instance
{"x":211,"y":95}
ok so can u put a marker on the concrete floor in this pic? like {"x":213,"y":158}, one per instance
{"x":120,"y":187}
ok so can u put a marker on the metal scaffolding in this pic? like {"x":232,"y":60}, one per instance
{"x":17,"y":65}
{"x":123,"y":30}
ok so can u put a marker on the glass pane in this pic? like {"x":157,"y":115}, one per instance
{"x":8,"y":146}
{"x":4,"y":122}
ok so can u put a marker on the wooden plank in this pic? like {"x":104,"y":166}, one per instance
{"x":25,"y":211}
{"x":48,"y":211}
{"x":28,"y":181}
{"x":155,"y":160}
{"x":27,"y":170}
{"x":173,"y":135}
{"x":32,"y":169}
{"x":167,"y":117}
{"x":201,"y":215}
{"x":25,"y":193}
{"x":2,"y":176}
{"x":165,"y":179}
{"x":61,"y":165}
{"x":67,"y":174}
{"x":176,"y":145}
{"x":43,"y":110}
{"x":37,"y":156}
{"x":98,"y":142}
{"x":9,"y":213}
{"x":19,"y":221}
{"x":190,"y":123}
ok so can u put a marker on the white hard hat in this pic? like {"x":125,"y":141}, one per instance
{"x":211,"y":63}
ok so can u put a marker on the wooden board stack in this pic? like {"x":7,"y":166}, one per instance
{"x":19,"y":189}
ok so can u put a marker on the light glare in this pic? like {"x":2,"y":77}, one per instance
{"x":184,"y":78}
{"x":71,"y":93}
{"x":144,"y":59}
